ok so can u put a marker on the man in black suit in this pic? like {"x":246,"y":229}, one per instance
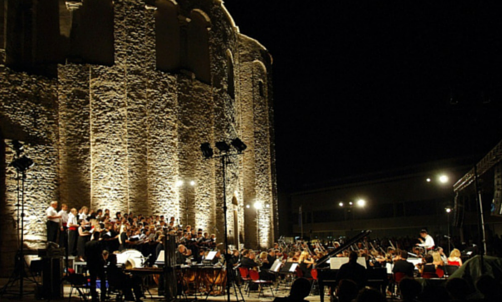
{"x":95,"y":264}
{"x":403,"y":266}
{"x":353,"y":271}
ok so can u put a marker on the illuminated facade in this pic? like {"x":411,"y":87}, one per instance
{"x":112,"y":100}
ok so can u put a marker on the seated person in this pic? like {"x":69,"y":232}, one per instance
{"x":403,"y":266}
{"x":353,"y":271}
{"x":125,"y":282}
{"x":454,"y":258}
{"x":429,"y":266}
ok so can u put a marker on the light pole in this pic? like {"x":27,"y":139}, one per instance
{"x":448,"y":211}
{"x":207,"y":153}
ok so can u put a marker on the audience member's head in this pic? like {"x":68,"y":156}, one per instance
{"x":353,"y":256}
{"x":458,"y":288}
{"x":370,"y":295}
{"x":434,"y":293}
{"x":489,"y":287}
{"x":300,"y":289}
{"x":346,"y":290}
{"x":410,"y":288}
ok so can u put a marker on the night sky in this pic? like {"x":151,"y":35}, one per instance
{"x":368,"y":86}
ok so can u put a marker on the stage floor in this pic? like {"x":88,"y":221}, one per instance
{"x":28,"y":295}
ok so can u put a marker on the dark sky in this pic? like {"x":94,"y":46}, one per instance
{"x":366,"y":86}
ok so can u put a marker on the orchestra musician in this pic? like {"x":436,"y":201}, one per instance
{"x":401,"y":265}
{"x":125,"y":282}
{"x":306,"y":264}
{"x":454,"y":258}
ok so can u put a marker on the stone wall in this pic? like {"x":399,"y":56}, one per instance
{"x":28,"y":113}
{"x":120,"y":137}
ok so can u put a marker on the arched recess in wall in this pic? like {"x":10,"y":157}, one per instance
{"x":261,"y":73}
{"x":95,"y":33}
{"x":198,"y":59}
{"x":31,"y":31}
{"x":167,"y":33}
{"x":230,"y":75}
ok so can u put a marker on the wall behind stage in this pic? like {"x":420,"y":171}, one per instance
{"x":119,"y":131}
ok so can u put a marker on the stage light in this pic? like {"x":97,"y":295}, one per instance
{"x":179,"y":183}
{"x":238,"y":145}
{"x":428,"y":180}
{"x":207,"y":151}
{"x":22,"y":164}
{"x":192,"y":183}
{"x":448,"y":209}
{"x":350,"y":203}
{"x":222,"y":146}
{"x":361,"y":203}
{"x":341,"y":204}
{"x":248,"y":206}
{"x":443,"y":179}
{"x":258,"y":205}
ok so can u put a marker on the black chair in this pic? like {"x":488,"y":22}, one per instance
{"x":79,"y":284}
{"x":450,"y":269}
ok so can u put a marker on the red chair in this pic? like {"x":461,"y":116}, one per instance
{"x":397,"y":277}
{"x":244,"y":273}
{"x":428,"y":275}
{"x":314,"y":275}
{"x":440,"y":272}
{"x":255,"y":278}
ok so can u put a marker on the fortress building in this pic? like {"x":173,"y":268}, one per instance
{"x":112,"y":101}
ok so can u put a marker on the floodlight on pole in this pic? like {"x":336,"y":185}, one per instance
{"x":223,"y":147}
{"x":361,"y":203}
{"x":224,"y":155}
{"x":238,"y":145}
{"x":207,"y":151}
{"x":443,"y":179}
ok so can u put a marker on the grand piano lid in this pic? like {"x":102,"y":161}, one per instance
{"x":343,"y":247}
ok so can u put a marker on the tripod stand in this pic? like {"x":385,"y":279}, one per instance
{"x":20,"y":265}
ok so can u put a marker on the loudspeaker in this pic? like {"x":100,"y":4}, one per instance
{"x":52,"y":273}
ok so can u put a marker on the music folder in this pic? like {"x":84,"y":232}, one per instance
{"x":289,"y":267}
{"x":276,"y":266}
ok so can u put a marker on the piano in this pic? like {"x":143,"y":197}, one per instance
{"x":327,"y":276}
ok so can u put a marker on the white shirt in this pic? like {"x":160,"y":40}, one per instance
{"x":428,"y":243}
{"x":52,"y":212}
{"x":64,"y":217}
{"x":72,"y":219}
{"x":82,"y":216}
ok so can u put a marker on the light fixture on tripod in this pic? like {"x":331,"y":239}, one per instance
{"x":224,"y":154}
{"x":21,"y":164}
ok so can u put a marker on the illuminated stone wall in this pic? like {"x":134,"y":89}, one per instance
{"x":120,"y":136}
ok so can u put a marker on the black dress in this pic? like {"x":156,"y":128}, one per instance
{"x":81,"y":243}
{"x":123,"y":238}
